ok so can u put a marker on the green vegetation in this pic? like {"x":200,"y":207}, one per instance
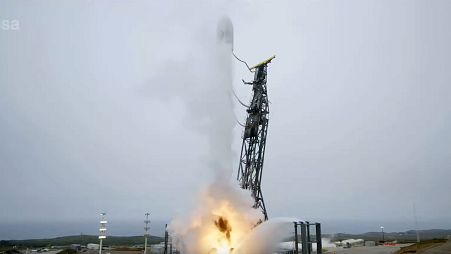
{"x":9,"y":251}
{"x":67,"y":251}
{"x":401,"y":237}
{"x":81,"y":239}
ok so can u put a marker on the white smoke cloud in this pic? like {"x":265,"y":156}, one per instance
{"x":206,"y":93}
{"x":202,"y":82}
{"x":223,"y":219}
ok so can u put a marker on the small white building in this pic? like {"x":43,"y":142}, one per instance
{"x":350,"y":243}
{"x":92,"y":246}
{"x":157,"y":248}
{"x":370,"y":243}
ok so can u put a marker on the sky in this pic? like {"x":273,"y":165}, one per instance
{"x":93,"y":115}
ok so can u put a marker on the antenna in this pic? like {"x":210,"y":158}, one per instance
{"x":146,"y":231}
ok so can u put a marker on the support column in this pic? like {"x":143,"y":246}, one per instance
{"x":304,"y":238}
{"x":296,"y":240}
{"x":309,"y":240}
{"x":319,"y":240}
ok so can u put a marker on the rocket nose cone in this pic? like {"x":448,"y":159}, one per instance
{"x":225,"y":31}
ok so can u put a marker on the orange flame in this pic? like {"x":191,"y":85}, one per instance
{"x":223,"y":225}
{"x":223,"y":219}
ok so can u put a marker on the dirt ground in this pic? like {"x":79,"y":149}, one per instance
{"x":366,"y":250}
{"x":441,"y":249}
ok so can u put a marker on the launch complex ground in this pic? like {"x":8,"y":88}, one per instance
{"x":427,"y":247}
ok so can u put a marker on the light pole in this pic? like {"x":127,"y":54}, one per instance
{"x":382,"y":229}
{"x":146,"y":231}
{"x":102,"y":230}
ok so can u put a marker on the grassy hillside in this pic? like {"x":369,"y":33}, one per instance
{"x":399,"y":236}
{"x":81,"y":239}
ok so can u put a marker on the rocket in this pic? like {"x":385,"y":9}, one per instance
{"x":225,"y":32}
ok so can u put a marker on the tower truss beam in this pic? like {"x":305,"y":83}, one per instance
{"x":254,"y":138}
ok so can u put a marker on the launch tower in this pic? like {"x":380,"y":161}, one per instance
{"x":254,"y":137}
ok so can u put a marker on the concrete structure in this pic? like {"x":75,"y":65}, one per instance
{"x":92,"y":246}
{"x":157,"y":248}
{"x":370,"y":243}
{"x":350,"y":243}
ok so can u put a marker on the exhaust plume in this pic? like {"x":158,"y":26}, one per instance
{"x":223,"y":218}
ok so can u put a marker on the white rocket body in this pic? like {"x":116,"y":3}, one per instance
{"x":225,"y":32}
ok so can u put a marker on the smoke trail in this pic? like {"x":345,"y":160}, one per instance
{"x":224,"y":214}
{"x":203,"y":83}
{"x":223,"y":220}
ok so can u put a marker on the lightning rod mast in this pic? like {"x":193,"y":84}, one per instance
{"x":146,"y":231}
{"x":102,"y":230}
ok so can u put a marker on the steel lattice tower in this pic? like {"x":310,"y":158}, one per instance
{"x":254,"y":137}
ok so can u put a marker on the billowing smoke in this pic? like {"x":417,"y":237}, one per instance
{"x":223,"y":215}
{"x":203,"y":82}
{"x":223,"y":220}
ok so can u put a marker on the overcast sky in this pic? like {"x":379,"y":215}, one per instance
{"x":359,"y":126}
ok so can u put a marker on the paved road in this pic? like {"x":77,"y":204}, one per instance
{"x":369,"y":250}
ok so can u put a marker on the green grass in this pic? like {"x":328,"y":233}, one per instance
{"x":80,"y":239}
{"x":67,"y":251}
